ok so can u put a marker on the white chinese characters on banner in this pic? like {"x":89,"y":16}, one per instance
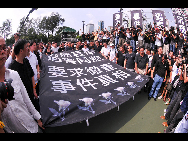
{"x":159,"y":19}
{"x":82,"y":75}
{"x":181,"y":24}
{"x":137,"y":19}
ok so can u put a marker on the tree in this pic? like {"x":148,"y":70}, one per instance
{"x":49,"y":24}
{"x":6,"y":28}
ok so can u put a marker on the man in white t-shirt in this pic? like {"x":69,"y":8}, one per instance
{"x":85,"y":48}
{"x":112,"y":53}
{"x":158,"y":37}
{"x":33,"y":61}
{"x":54,"y":47}
{"x":105,"y":50}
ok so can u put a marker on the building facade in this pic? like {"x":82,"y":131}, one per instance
{"x":100,"y":25}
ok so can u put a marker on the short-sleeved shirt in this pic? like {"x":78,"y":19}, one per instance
{"x":130,"y":64}
{"x":141,"y":61}
{"x":161,"y":68}
{"x":26,"y":73}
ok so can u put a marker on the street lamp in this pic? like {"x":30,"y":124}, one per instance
{"x":83,"y":26}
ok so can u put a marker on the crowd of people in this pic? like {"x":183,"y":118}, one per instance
{"x":158,"y":52}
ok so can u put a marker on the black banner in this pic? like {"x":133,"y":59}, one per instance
{"x":136,"y":18}
{"x":159,"y":17}
{"x":77,"y":86}
{"x":117,"y":18}
{"x":181,"y":24}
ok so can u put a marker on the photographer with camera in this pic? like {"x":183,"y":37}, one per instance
{"x":122,"y":36}
{"x":140,"y":34}
{"x":19,"y":116}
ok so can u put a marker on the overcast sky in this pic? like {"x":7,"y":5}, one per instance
{"x":74,"y":16}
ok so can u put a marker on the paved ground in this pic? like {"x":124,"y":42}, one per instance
{"x":138,"y":116}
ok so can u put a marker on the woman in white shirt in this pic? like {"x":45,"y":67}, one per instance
{"x":20,"y":113}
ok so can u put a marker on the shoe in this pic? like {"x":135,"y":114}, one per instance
{"x":155,"y":99}
{"x":149,"y":98}
{"x":165,"y":124}
{"x":160,"y":97}
{"x":162,"y":117}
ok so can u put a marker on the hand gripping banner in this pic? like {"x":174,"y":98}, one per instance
{"x":77,"y":86}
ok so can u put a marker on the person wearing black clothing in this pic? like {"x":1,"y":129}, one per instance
{"x":24,"y":69}
{"x":129,"y":62}
{"x":122,"y":36}
{"x":147,"y":40}
{"x":166,"y":44}
{"x":156,"y":57}
{"x":120,"y":56}
{"x":83,"y":37}
{"x":141,"y":62}
{"x":97,"y":47}
{"x":161,"y":68}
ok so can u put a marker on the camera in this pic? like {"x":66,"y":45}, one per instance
{"x":6,"y":90}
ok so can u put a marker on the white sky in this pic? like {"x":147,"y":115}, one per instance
{"x":73,"y":16}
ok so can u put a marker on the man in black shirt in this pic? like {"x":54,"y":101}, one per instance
{"x":130,"y":59}
{"x":122,"y":36}
{"x":161,"y":68}
{"x":156,"y":57}
{"x":24,"y":69}
{"x":141,"y":62}
{"x":120,"y":56}
{"x":97,"y":47}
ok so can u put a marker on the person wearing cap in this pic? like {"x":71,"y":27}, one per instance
{"x":112,"y":53}
{"x":160,"y":68}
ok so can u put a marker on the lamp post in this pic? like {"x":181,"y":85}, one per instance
{"x":83,"y":26}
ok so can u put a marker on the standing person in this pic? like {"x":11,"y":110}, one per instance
{"x":141,"y":62}
{"x":20,"y":114}
{"x":120,"y":56}
{"x":97,"y":47}
{"x":48,"y":50}
{"x":173,"y":41}
{"x":112,"y":53}
{"x":129,"y":62}
{"x":54,"y":47}
{"x":24,"y":69}
{"x":105,"y":50}
{"x":85,"y":48}
{"x":133,"y":38}
{"x":61,"y":48}
{"x":161,"y":68}
{"x":180,"y":43}
{"x":166,"y":44}
{"x":16,"y":37}
{"x":140,"y":35}
{"x":33,"y":61}
{"x":158,"y":38}
{"x":156,"y":57}
{"x":83,"y":37}
{"x":122,"y":36}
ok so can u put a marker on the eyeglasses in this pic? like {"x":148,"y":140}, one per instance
{"x":3,"y":47}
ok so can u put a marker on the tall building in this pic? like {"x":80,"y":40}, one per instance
{"x":100,"y":25}
{"x":89,"y":28}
